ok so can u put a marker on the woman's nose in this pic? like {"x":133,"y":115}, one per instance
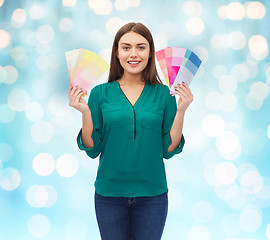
{"x":133,"y":52}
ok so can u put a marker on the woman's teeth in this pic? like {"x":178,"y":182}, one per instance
{"x":133,"y":62}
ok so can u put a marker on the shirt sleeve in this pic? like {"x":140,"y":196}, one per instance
{"x":93,"y":103}
{"x":169,"y":115}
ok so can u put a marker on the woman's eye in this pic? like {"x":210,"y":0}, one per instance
{"x":141,"y":48}
{"x":125,"y":48}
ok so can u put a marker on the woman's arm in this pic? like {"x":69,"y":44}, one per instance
{"x":87,"y":129}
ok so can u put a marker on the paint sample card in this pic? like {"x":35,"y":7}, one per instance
{"x":85,"y":67}
{"x":177,"y":65}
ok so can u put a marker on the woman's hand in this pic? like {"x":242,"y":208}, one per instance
{"x":76,"y":100}
{"x":186,"y":96}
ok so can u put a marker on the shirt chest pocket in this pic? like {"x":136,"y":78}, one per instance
{"x":152,"y":117}
{"x":113,"y":116}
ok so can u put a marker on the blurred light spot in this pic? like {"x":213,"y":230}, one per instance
{"x":105,"y":54}
{"x":238,"y":200}
{"x":237,"y":40}
{"x":202,"y":53}
{"x":43,"y":164}
{"x":268,"y":131}
{"x":219,"y":70}
{"x":228,"y":145}
{"x":250,"y":220}
{"x":42,"y":49}
{"x":10,"y":179}
{"x":34,"y":111}
{"x":199,"y":232}
{"x":11,"y":74}
{"x":1,"y":3}
{"x":259,"y":91}
{"x":235,"y":11}
{"x":43,"y":62}
{"x":245,"y":167}
{"x":222,"y":12}
{"x":209,"y":174}
{"x":226,"y":192}
{"x":18,"y":99}
{"x":252,"y":103}
{"x":4,"y":38}
{"x":36,"y":12}
{"x":252,"y":68}
{"x":175,"y":199}
{"x":41,"y":196}
{"x":6,"y":152}
{"x":18,"y":18}
{"x":213,"y":125}
{"x":7,"y":114}
{"x":114,"y":24}
{"x":202,"y":212}
{"x":54,"y":61}
{"x":225,"y":173}
{"x":38,"y":226}
{"x":255,"y":10}
{"x":58,"y":105}
{"x":240,"y":72}
{"x":69,"y":3}
{"x":45,"y":34}
{"x":29,"y":37}
{"x":251,"y":182}
{"x":192,"y":8}
{"x":18,"y":53}
{"x":121,"y":5}
{"x":3,"y":74}
{"x":42,"y":132}
{"x":230,"y":224}
{"x":195,"y":25}
{"x":101,"y":7}
{"x":76,"y":229}
{"x":227,"y":84}
{"x":176,"y":171}
{"x":196,"y":139}
{"x":66,"y":24}
{"x":228,"y":102}
{"x":67,"y":165}
{"x":258,"y":47}
{"x":219,"y":41}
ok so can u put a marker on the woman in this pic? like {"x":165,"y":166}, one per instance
{"x":133,"y":122}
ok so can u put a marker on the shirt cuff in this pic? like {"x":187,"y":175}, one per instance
{"x":81,"y":144}
{"x":168,"y":142}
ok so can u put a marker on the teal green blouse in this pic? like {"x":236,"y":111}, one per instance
{"x":131,"y":140}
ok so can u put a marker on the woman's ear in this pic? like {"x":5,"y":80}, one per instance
{"x":116,"y":52}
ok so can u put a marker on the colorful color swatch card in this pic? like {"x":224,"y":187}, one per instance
{"x":177,"y":65}
{"x":85,"y":67}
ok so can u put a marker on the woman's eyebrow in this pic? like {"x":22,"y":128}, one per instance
{"x":130,"y":44}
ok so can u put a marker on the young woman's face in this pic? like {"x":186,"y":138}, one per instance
{"x":133,"y":52}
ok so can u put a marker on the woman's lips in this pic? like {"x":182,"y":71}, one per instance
{"x":134,"y":63}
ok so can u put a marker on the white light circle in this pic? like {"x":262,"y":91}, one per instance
{"x":192,"y":8}
{"x":258,"y":47}
{"x":209,"y":174}
{"x":11,"y":74}
{"x":39,"y":226}
{"x":10,"y":179}
{"x":18,"y":99}
{"x":76,"y":229}
{"x":67,"y":165}
{"x":42,"y":132}
{"x":255,"y":10}
{"x":213,"y":125}
{"x":251,"y":182}
{"x":4,"y":38}
{"x":237,"y":40}
{"x":199,"y":232}
{"x":227,"y":84}
{"x":195,"y":26}
{"x":58,"y":105}
{"x":229,"y":145}
{"x":34,"y":111}
{"x":226,"y":173}
{"x":238,"y":200}
{"x":250,"y":220}
{"x":101,"y":7}
{"x":228,"y":102}
{"x":66,"y":24}
{"x":259,"y":91}
{"x":196,"y":139}
{"x":18,"y":17}
{"x":44,"y":164}
{"x":43,"y":62}
{"x":219,"y":71}
{"x":226,"y":192}
{"x":240,"y":72}
{"x":213,"y":100}
{"x":230,"y":224}
{"x":45,"y":34}
{"x":253,"y":103}
{"x":235,"y":11}
{"x":268,"y":131}
{"x":268,"y":231}
{"x":36,"y":12}
{"x":18,"y":53}
{"x":69,"y":3}
{"x":114,"y":24}
{"x":122,"y":5}
{"x":202,"y":212}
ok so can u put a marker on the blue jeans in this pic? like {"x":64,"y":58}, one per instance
{"x":138,"y":218}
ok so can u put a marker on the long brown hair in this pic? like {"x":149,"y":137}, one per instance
{"x":149,"y":74}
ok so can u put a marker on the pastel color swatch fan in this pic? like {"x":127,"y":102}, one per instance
{"x":85,"y":67}
{"x":177,"y":65}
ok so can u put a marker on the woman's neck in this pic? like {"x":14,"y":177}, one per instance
{"x":131,"y":79}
